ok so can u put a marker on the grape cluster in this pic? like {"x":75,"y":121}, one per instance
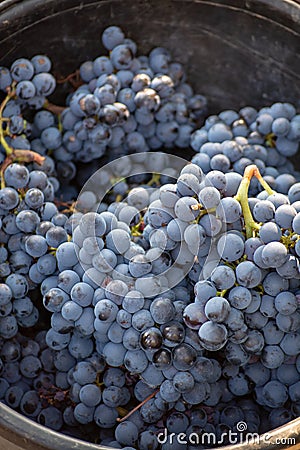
{"x":27,"y":84}
{"x":31,"y":228}
{"x":32,"y":80}
{"x":128,"y":103}
{"x":167,"y":296}
{"x":232,"y":140}
{"x":26,"y":122}
{"x":146,"y":322}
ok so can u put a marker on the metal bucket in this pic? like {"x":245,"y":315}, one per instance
{"x":236,"y":52}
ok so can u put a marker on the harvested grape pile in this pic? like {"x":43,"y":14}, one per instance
{"x":162,"y":295}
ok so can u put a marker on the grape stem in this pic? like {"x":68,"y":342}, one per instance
{"x":10,"y":94}
{"x":242,"y":197}
{"x":138,"y":406}
{"x":154,"y":180}
{"x":55,"y":109}
{"x":13,"y":155}
{"x":70,"y":207}
{"x":136,"y":230}
{"x":73,"y":78}
{"x":202,"y":211}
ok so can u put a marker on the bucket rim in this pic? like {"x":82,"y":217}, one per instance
{"x":38,"y":437}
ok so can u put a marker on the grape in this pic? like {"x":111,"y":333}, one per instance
{"x":116,"y":291}
{"x":162,"y":310}
{"x":217,"y":309}
{"x":124,"y":319}
{"x":196,"y":395}
{"x":223,"y":277}
{"x":83,"y":414}
{"x":240,"y":297}
{"x":202,"y":370}
{"x":184,"y":357}
{"x":290,"y":344}
{"x":184,"y":209}
{"x":135,"y":361}
{"x":264,"y":211}
{"x":273,"y":284}
{"x":279,"y":417}
{"x":22,"y":69}
{"x":126,"y":433}
{"x":230,"y":247}
{"x":274,"y":254}
{"x":141,"y":320}
{"x":272,"y":356}
{"x":114,"y":354}
{"x":254,"y":343}
{"x":288,"y":323}
{"x":269,"y":232}
{"x":236,"y":355}
{"x":248,"y":274}
{"x":183,"y":382}
{"x":188,"y":185}
{"x":133,"y":301}
{"x":194,"y":236}
{"x":193,"y":316}
{"x":55,"y":236}
{"x":18,"y":285}
{"x":213,"y":336}
{"x":212,"y":226}
{"x":147,"y":439}
{"x":285,"y":215}
{"x":30,"y":366}
{"x":258,"y":373}
{"x":8,"y":327}
{"x":5,"y":294}
{"x":286,"y":303}
{"x":30,"y":404}
{"x":44,"y":83}
{"x":139,"y":265}
{"x":66,"y":256}
{"x":274,"y":394}
{"x":13,"y":396}
{"x":51,"y":417}
{"x":209,"y":197}
{"x":16,"y":176}
{"x":82,"y":294}
{"x":238,"y":385}
{"x":204,"y":290}
{"x":168,"y":391}
{"x":115,"y":333}
{"x":293,"y":193}
{"x":151,"y":339}
{"x":293,"y":392}
{"x":8,"y":198}
{"x":229,"y":210}
{"x":162,"y":359}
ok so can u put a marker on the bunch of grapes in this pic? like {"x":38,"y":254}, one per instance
{"x":166,"y":295}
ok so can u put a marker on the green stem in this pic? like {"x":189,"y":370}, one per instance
{"x":264,"y":184}
{"x":10,"y":94}
{"x":154,"y":180}
{"x":242,"y":198}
